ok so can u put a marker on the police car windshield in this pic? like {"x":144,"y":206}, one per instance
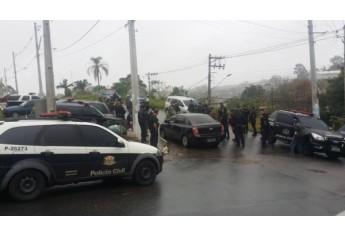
{"x":313,"y":123}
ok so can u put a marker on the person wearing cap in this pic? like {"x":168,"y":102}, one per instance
{"x":298,"y":135}
{"x":153,"y":127}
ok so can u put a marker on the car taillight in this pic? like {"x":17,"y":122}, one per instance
{"x":195,"y":132}
{"x":222,"y":131}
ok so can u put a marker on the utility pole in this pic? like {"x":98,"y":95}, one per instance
{"x":314,"y":98}
{"x":15,"y":71}
{"x":49,"y":73}
{"x":40,"y":94}
{"x":214,"y":65}
{"x":344,"y":66}
{"x":149,"y":80}
{"x":134,"y":76}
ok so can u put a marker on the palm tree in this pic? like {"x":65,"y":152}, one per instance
{"x":64,"y":85}
{"x":81,"y":85}
{"x":95,"y":69}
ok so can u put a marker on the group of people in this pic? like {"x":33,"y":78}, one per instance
{"x":148,"y":120}
{"x":198,"y":108}
{"x":239,"y":119}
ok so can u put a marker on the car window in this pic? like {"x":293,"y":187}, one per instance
{"x":187,"y":102}
{"x":14,"y":97}
{"x":25,"y":98}
{"x":168,"y":100}
{"x":284,"y":118}
{"x":180,"y":120}
{"x":96,"y":137}
{"x":60,"y":135}
{"x":313,"y":123}
{"x":27,"y":135}
{"x":201,"y":119}
{"x":90,"y":111}
{"x":179,"y":103}
{"x":35,"y":97}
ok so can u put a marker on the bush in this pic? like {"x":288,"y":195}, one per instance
{"x":157,"y":103}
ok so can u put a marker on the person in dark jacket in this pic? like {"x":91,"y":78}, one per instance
{"x":238,"y":123}
{"x":223,"y":119}
{"x":120,"y":111}
{"x":252,"y":120}
{"x":265,"y":127}
{"x":245,"y":113}
{"x":191,"y":106}
{"x":143,"y":120}
{"x":153,"y":126}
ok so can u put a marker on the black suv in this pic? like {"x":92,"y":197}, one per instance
{"x":317,"y":136}
{"x":39,"y":153}
{"x":86,"y":112}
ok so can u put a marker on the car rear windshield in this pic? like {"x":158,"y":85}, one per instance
{"x":14,"y":97}
{"x":201,"y":119}
{"x":313,"y":123}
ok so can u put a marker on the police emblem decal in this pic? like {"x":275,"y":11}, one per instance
{"x":109,"y":161}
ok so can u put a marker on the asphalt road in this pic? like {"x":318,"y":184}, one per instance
{"x":226,"y":180}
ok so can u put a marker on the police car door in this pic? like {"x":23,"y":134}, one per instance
{"x":62,"y":148}
{"x":107,"y":156}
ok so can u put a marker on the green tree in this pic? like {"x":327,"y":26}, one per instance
{"x":252,"y":92}
{"x":301,"y":72}
{"x":97,"y":67}
{"x":125,"y":85}
{"x":179,"y":91}
{"x":81,"y":85}
{"x":337,"y":63}
{"x":66,"y":86}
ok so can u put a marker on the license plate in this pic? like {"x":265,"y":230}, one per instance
{"x":335,"y":149}
{"x":210,"y":140}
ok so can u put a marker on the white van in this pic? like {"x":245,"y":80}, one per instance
{"x":181,"y":101}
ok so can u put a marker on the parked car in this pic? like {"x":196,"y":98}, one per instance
{"x":193,"y":129}
{"x":17,"y":99}
{"x":101,"y":106}
{"x":86,"y":112}
{"x":40,"y":153}
{"x":317,"y":136}
{"x":23,"y":109}
{"x":110,"y":94}
{"x":181,"y":101}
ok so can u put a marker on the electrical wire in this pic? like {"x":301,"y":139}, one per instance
{"x":185,"y":68}
{"x":78,"y":39}
{"x":107,"y":36}
{"x":270,"y":27}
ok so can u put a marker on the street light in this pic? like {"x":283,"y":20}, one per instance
{"x":221,"y":80}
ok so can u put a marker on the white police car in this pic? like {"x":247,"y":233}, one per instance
{"x":38,"y":153}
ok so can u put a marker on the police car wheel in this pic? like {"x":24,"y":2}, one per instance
{"x":26,"y":185}
{"x":145,"y":173}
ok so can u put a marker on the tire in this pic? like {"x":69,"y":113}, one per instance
{"x":185,"y":141}
{"x":27,"y":185}
{"x":145,"y":173}
{"x":162,"y":134}
{"x":15,"y":115}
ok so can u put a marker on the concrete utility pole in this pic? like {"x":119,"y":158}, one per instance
{"x":134,"y":77}
{"x":314,"y":98}
{"x":40,"y":94}
{"x":344,"y":66}
{"x":15,"y":71}
{"x":149,"y":80}
{"x":48,"y":59}
{"x":214,"y":65}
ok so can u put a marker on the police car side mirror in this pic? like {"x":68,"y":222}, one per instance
{"x":119,"y":143}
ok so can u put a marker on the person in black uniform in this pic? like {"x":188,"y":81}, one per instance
{"x":238,"y":122}
{"x":245,"y":113}
{"x":265,"y":127}
{"x":143,"y":119}
{"x":191,"y":106}
{"x":120,"y":111}
{"x":252,"y":120}
{"x":153,"y":126}
{"x":223,"y":119}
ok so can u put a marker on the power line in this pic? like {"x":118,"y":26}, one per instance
{"x":270,"y":27}
{"x":78,"y":39}
{"x":184,"y":68}
{"x":107,"y":36}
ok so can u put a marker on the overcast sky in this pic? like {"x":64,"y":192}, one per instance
{"x":175,"y":49}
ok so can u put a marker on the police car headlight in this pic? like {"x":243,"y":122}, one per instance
{"x":317,"y":137}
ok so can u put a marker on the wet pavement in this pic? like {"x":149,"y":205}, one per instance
{"x":226,"y":180}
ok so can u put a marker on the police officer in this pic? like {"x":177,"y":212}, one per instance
{"x":238,"y":122}
{"x":298,"y":135}
{"x":120,"y":111}
{"x":252,"y":120}
{"x":265,"y":127}
{"x":143,"y":120}
{"x":245,"y":113}
{"x":223,"y":119}
{"x":191,"y":106}
{"x":153,"y":126}
{"x":171,"y":110}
